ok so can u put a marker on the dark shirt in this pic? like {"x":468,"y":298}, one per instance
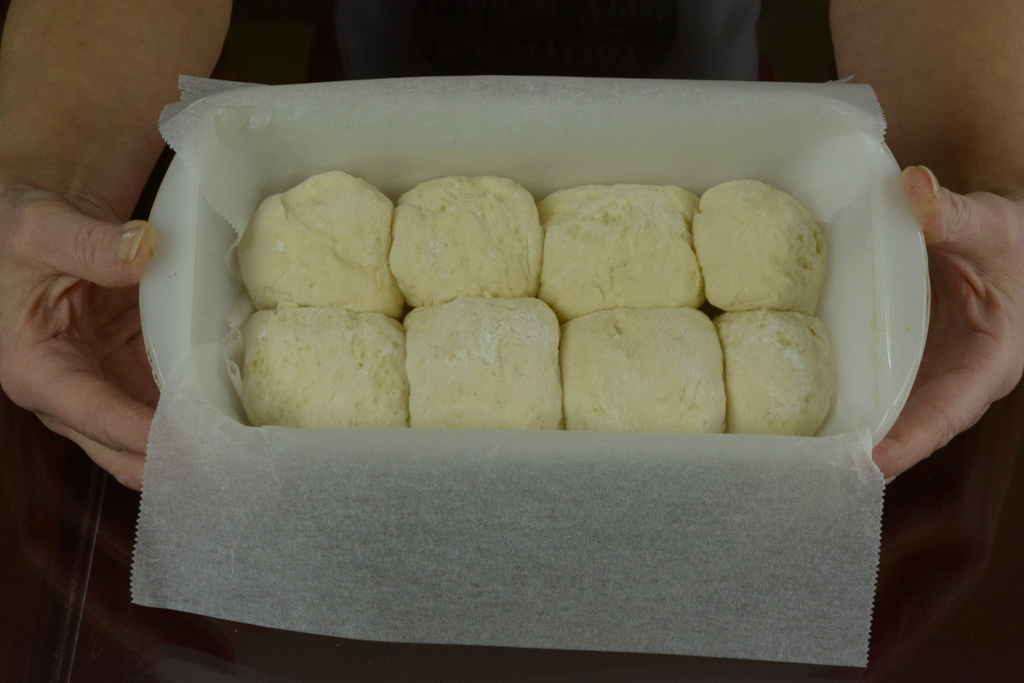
{"x":616,"y":38}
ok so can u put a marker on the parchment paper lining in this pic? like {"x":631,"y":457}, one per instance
{"x":729,"y":546}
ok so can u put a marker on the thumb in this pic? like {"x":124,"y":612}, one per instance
{"x":107,"y":254}
{"x":936,"y":208}
{"x":45,"y":233}
{"x":979,"y":232}
{"x":949,"y":220}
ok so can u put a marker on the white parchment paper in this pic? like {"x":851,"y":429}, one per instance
{"x":728,"y":546}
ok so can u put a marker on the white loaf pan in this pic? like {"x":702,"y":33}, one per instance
{"x":724,"y":545}
{"x":875,"y":301}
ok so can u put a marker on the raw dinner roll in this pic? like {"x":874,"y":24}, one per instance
{"x":618,"y":246}
{"x":779,"y":372}
{"x":324,"y":367}
{"x":478,"y":363}
{"x":325,"y":242}
{"x":758,"y":248}
{"x":466,"y":236}
{"x":657,"y":370}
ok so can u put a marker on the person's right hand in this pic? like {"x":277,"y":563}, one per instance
{"x":71,"y":347}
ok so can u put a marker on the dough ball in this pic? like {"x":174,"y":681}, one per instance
{"x":466,"y":236}
{"x":779,"y":373}
{"x":479,"y":363}
{"x":633,"y":369}
{"x":618,"y":246}
{"x":758,"y":248}
{"x":325,"y":242}
{"x":324,"y":367}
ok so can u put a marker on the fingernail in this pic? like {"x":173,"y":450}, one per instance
{"x":129,"y":242}
{"x":936,"y":187}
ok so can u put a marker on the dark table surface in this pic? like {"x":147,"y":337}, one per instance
{"x":949,"y":604}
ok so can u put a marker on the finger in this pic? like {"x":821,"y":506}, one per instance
{"x":126,"y":468}
{"x":89,"y":406}
{"x":68,"y":242}
{"x":902,"y":449}
{"x":937,"y":411}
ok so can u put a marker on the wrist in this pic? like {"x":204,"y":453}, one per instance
{"x":87,"y":173}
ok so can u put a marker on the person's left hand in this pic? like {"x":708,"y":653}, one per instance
{"x":71,"y":347}
{"x":974,"y":353}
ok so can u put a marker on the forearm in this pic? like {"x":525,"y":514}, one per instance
{"x":950,"y":77}
{"x":82,"y":85}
